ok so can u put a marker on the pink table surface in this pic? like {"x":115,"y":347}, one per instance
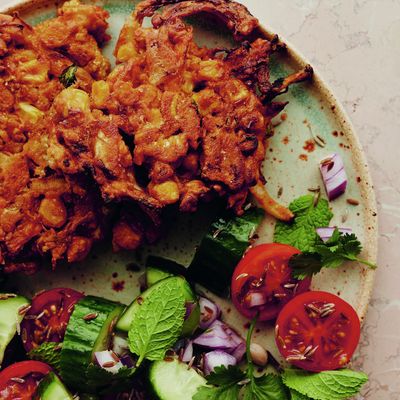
{"x":355,"y":45}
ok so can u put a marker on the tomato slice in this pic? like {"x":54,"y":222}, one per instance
{"x":20,"y":380}
{"x":48,"y":317}
{"x":317,"y":331}
{"x":263,"y":282}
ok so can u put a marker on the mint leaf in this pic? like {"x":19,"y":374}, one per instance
{"x":158,"y":322}
{"x":229,"y":392}
{"x":328,"y":385}
{"x":301,"y":232}
{"x":298,"y":396}
{"x":49,"y":353}
{"x":267,"y":387}
{"x":68,"y":76}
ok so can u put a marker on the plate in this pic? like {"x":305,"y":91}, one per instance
{"x":291,"y":164}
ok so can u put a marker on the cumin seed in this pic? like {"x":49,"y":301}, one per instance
{"x":91,"y":316}
{"x":353,"y":202}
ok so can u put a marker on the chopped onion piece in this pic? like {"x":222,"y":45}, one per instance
{"x":239,"y":352}
{"x":326,"y":233}
{"x":220,"y":336}
{"x":333,"y":175}
{"x":255,"y":299}
{"x":209,"y":312}
{"x":188,"y":352}
{"x":217,"y":358}
{"x":108,"y":361}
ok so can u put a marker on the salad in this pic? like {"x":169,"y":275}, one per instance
{"x":173,"y":343}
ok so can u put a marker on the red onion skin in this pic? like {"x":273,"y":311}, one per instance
{"x":217,"y":358}
{"x":209,"y":312}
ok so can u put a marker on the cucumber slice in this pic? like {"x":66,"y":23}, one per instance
{"x":51,"y":388}
{"x":173,"y":380}
{"x":222,"y":248}
{"x":154,"y":275}
{"x":191,"y":322}
{"x":89,"y":330}
{"x":9,"y":318}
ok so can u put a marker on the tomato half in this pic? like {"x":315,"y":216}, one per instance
{"x":317,"y":331}
{"x":48,"y":317}
{"x":20,"y":380}
{"x":263,"y":282}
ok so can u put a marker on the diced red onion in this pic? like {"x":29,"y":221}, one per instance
{"x":217,"y":358}
{"x":326,"y":233}
{"x":239,"y":352}
{"x":220,"y":336}
{"x":333,"y":175}
{"x":255,"y":299}
{"x":188,"y":352}
{"x":108,"y":361}
{"x":209,"y":312}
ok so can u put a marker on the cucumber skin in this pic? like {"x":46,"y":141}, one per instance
{"x":9,"y":318}
{"x":190,"y":324}
{"x":83,"y":338}
{"x":51,"y":388}
{"x":218,"y":255}
{"x":154,"y":376}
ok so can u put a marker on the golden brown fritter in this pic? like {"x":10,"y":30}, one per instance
{"x":42,"y":211}
{"x":172,"y":124}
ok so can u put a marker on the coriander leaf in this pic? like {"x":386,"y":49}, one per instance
{"x":229,"y":392}
{"x":49,"y":353}
{"x":158,"y":322}
{"x":340,"y":248}
{"x":225,"y":376}
{"x":226,"y":379}
{"x":328,"y":385}
{"x":101,"y":381}
{"x":301,"y":232}
{"x":68,"y":76}
{"x":267,"y":387}
{"x":305,"y":264}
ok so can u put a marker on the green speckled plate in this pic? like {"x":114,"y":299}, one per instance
{"x":291,"y":163}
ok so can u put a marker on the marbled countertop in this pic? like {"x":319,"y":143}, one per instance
{"x":355,"y":45}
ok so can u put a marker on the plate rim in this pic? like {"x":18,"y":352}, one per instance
{"x":359,"y":158}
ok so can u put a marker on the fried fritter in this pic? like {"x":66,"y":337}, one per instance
{"x":172,"y":124}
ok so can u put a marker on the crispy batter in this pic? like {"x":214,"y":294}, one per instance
{"x":173,"y":123}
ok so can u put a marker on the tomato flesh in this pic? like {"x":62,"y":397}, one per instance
{"x":48,"y":317}
{"x":20,"y":381}
{"x":263,"y":282}
{"x":317,"y":331}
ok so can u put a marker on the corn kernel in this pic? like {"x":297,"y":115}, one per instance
{"x":210,"y":69}
{"x":126,"y":52}
{"x":30,"y":113}
{"x":53,"y":212}
{"x":100,"y":93}
{"x":166,"y":192}
{"x":74,"y":100}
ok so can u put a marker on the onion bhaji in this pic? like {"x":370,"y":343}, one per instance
{"x":172,"y":123}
